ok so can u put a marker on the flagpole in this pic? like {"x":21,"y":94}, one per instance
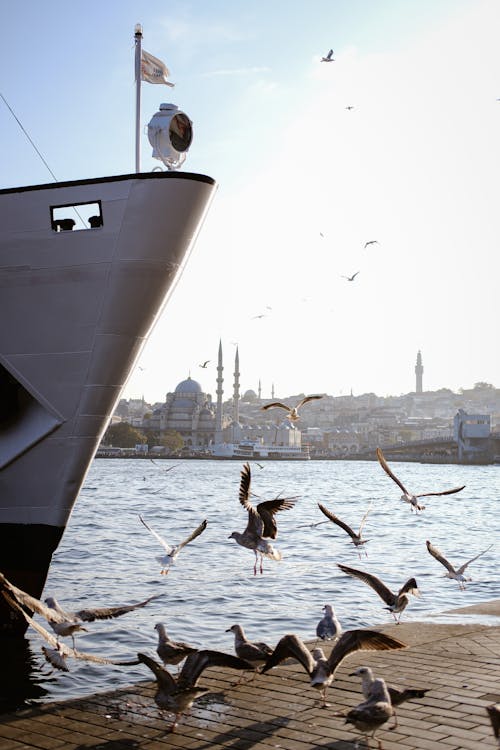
{"x":138,"y":55}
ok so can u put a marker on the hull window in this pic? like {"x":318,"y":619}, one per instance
{"x":74,"y":217}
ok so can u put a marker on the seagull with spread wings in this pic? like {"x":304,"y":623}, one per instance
{"x":396,"y":602}
{"x":261,"y":524}
{"x":356,"y":538}
{"x":177,"y":694}
{"x":456,"y":574}
{"x":351,"y":278}
{"x":321,"y":670}
{"x":172,"y":552}
{"x":409,"y":497}
{"x":292,"y":410}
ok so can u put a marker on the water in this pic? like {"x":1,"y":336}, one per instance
{"x":107,"y":557}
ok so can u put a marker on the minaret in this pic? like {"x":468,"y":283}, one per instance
{"x":419,"y":371}
{"x":236,"y":388}
{"x":272,"y":391}
{"x":260,"y":390}
{"x":218,"y":412}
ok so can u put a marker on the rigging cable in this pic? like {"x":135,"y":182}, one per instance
{"x":27,"y":135}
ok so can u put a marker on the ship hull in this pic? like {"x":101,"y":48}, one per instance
{"x":76,"y":308}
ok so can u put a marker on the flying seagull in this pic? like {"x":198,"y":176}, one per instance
{"x":205,"y":363}
{"x":172,"y":552}
{"x":329,"y":57}
{"x":371,"y":242}
{"x":407,"y":496}
{"x":369,"y":715}
{"x":292,"y":410}
{"x":178,"y":694}
{"x":169,"y":651}
{"x":397,"y":696}
{"x":329,"y":626}
{"x":321,"y":670}
{"x":351,"y":278}
{"x":356,"y":538}
{"x":454,"y":573}
{"x":261,"y":524}
{"x":57,"y":654}
{"x":396,"y":603}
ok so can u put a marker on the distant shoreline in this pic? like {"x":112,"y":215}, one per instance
{"x":393,"y":459}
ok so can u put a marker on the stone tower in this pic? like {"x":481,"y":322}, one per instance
{"x":236,"y":388}
{"x":419,"y":371}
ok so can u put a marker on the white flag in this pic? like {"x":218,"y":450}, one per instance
{"x":153,"y":70}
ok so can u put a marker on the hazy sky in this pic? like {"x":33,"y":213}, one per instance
{"x":303,"y":181}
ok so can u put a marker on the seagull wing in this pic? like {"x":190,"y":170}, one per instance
{"x":255,"y":522}
{"x":360,"y":640}
{"x":445,"y":492}
{"x":306,"y":399}
{"x":276,"y":404}
{"x":439,"y":557}
{"x":106,"y":613}
{"x":464,"y":566}
{"x":35,"y":605}
{"x":380,"y":588}
{"x":63,"y":649}
{"x":163,"y":677}
{"x":410,"y":587}
{"x":164,"y":544}
{"x":291,"y":646}
{"x":389,"y":473}
{"x":196,"y":663}
{"x":363,"y":520}
{"x":335,"y":519}
{"x":196,"y":532}
{"x":268,"y":509}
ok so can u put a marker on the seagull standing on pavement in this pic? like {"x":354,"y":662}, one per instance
{"x":454,"y":573}
{"x":169,"y":651}
{"x":407,"y":496}
{"x":396,"y":603}
{"x":172,"y":552}
{"x":255,"y":652}
{"x":328,"y":627}
{"x":261,"y":524}
{"x":369,"y":715}
{"x":397,"y":696}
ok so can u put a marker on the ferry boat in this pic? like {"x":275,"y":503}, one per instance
{"x":257,"y":450}
{"x":85,"y":270}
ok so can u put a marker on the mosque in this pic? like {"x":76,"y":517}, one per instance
{"x":201,"y":423}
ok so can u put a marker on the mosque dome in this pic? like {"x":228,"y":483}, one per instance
{"x":188,"y":386}
{"x":249,"y":396}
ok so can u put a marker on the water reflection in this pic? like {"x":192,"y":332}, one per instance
{"x":20,"y":674}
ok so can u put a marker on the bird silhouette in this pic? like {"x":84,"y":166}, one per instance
{"x":328,"y":57}
{"x":396,"y":603}
{"x":177,"y":694}
{"x":172,"y":552}
{"x":371,"y":242}
{"x":293,"y":414}
{"x":409,"y":497}
{"x":261,"y":524}
{"x":351,"y":278}
{"x":205,"y":363}
{"x":321,"y":670}
{"x":356,"y":538}
{"x":454,"y":573}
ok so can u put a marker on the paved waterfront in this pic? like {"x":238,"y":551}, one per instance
{"x":459,"y":663}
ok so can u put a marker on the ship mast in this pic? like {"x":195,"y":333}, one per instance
{"x":138,"y":56}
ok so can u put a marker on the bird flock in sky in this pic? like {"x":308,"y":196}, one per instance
{"x":176,"y":693}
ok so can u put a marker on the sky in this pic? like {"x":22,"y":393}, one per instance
{"x":303,"y":181}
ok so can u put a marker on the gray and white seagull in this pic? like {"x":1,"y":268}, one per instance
{"x":172,"y":551}
{"x":396,"y":603}
{"x":293,"y":411}
{"x":456,"y":574}
{"x":409,"y":497}
{"x":261,"y":524}
{"x":321,"y":670}
{"x":356,"y":538}
{"x":328,"y":627}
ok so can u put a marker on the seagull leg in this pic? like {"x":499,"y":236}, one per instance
{"x":255,"y":565}
{"x":261,"y":564}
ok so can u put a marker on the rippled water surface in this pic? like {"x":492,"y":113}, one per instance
{"x":107,"y":557}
